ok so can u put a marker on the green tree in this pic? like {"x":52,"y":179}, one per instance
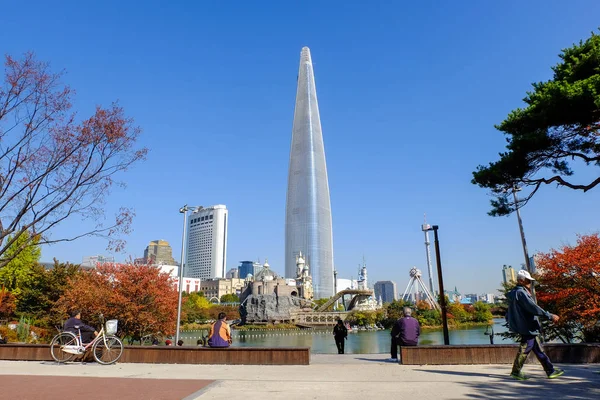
{"x":18,"y":272}
{"x":559,"y":125}
{"x":393,"y":311}
{"x":230,"y":298}
{"x":482,"y":312}
{"x":320,"y":302}
{"x":196,"y":307}
{"x":45,"y":287}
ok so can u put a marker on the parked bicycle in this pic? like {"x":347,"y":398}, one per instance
{"x":106,"y":348}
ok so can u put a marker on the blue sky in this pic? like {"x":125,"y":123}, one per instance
{"x":408,"y":95}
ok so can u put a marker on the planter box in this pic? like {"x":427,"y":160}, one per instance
{"x":579,"y":353}
{"x":177,"y":355}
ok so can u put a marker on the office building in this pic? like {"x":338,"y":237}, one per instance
{"x":93,"y":261}
{"x":386,"y":291}
{"x":233,"y":273}
{"x":248,"y":268}
{"x":215,"y":288}
{"x":159,"y":252}
{"x":190,"y":285}
{"x":508,"y":275}
{"x":206,"y":253}
{"x":308,"y":207}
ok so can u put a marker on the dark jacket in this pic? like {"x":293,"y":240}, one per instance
{"x":75,"y":325}
{"x":340,"y":331}
{"x":406,"y":331}
{"x":522,"y":314}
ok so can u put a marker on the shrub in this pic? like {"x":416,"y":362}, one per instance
{"x":8,"y":334}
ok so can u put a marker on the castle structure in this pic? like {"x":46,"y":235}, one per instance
{"x":268,"y":298}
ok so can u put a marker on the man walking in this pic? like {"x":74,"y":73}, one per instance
{"x":340,"y":333}
{"x":522,"y":318}
{"x":405,"y":332}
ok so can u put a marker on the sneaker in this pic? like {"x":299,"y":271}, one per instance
{"x":392,"y":359}
{"x":520,"y":376}
{"x":557,"y":372}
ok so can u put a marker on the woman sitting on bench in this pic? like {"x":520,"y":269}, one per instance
{"x":219,"y":334}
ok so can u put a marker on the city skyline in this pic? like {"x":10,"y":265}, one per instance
{"x":407,"y":117}
{"x":308,"y":228}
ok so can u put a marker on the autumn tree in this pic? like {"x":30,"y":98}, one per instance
{"x":559,"y":126}
{"x":55,"y":166}
{"x":7,"y":303}
{"x":570,"y":286}
{"x":141,"y":297}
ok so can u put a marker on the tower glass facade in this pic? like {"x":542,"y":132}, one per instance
{"x":308,"y":208}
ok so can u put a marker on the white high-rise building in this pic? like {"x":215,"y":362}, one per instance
{"x":207,"y":243}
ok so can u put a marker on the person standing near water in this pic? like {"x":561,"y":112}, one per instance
{"x":340,"y":333}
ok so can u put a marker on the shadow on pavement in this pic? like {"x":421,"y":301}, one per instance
{"x":379,"y":360}
{"x":579,"y":382}
{"x":465,"y":373}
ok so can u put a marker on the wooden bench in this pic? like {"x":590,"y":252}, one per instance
{"x":177,"y":355}
{"x":577,"y":353}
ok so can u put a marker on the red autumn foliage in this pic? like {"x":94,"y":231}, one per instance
{"x":141,"y":297}
{"x":8,"y":303}
{"x":570,"y":283}
{"x":53,"y":165}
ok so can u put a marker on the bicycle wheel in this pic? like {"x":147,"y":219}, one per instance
{"x":57,"y":344}
{"x":108,"y":350}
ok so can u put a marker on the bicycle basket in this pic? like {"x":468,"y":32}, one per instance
{"x":111,"y":326}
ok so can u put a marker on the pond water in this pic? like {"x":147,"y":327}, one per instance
{"x":362,"y":342}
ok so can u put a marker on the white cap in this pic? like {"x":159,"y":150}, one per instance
{"x":523,"y":274}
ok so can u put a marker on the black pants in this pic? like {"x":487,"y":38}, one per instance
{"x":339,"y":342}
{"x":395,"y":343}
{"x":87,"y":337}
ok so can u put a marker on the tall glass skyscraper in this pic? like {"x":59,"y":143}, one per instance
{"x":308,"y":208}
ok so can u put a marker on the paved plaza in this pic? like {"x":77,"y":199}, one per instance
{"x":328,"y":377}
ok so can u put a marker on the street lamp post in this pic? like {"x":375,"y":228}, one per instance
{"x":183,"y":210}
{"x":523,"y":241}
{"x":443,"y":304}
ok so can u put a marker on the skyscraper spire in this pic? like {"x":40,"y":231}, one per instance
{"x":308,"y":208}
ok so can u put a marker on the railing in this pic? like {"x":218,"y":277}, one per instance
{"x":319,"y":318}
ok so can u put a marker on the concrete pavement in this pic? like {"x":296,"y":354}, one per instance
{"x":339,"y":377}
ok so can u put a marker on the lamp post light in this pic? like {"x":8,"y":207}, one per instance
{"x":183,"y":210}
{"x":443,"y":305}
